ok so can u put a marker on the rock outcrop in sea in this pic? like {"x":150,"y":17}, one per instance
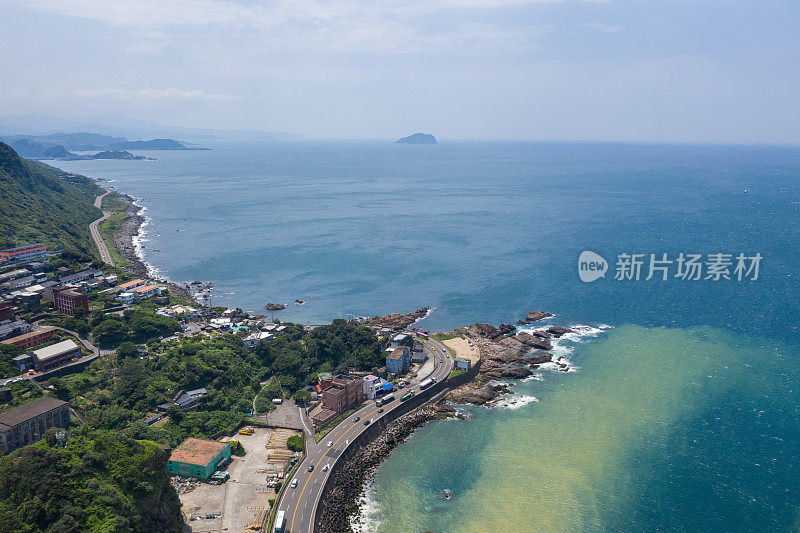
{"x":398,"y":321}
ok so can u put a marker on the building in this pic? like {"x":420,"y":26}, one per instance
{"x":30,"y":301}
{"x":371,"y":386}
{"x":53,"y":356}
{"x":34,"y":338}
{"x":6,"y":311}
{"x":144,"y":292}
{"x":23,"y":254}
{"x":83,"y":275}
{"x":343,"y":393}
{"x":418,"y":356}
{"x":322,"y":417}
{"x":252,"y":340}
{"x":67,"y":300}
{"x":462,"y":363}
{"x":126,"y":298}
{"x":132,"y":284}
{"x":198,"y":458}
{"x":23,"y":362}
{"x":12,"y":328}
{"x":399,"y":361}
{"x":27,"y":423}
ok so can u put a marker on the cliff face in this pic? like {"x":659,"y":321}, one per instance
{"x":106,"y":482}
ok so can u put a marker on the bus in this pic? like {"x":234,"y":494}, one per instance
{"x":280,"y":522}
{"x":425,"y":384}
{"x":384,"y":400}
{"x":407,"y":396}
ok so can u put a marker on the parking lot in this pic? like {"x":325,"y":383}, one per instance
{"x":243,"y":499}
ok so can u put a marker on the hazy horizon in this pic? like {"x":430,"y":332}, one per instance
{"x":718,"y":72}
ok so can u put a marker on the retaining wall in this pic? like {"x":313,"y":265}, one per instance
{"x":377,"y":427}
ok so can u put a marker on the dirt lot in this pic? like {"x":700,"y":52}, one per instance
{"x":463,"y":349}
{"x":244,"y":498}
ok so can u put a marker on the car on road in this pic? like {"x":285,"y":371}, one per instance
{"x":330,"y":443}
{"x":366,"y":422}
{"x":356,"y":419}
{"x":310,"y":468}
{"x":325,"y":468}
{"x":293,"y":484}
{"x":380,"y":410}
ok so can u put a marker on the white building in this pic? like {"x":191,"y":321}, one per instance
{"x":252,"y":340}
{"x":371,"y":386}
{"x":126,"y":298}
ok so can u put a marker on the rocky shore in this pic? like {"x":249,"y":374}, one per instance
{"x":507,"y":355}
{"x":337,"y":506}
{"x":504,"y":354}
{"x":123,"y":242}
{"x":398,"y":321}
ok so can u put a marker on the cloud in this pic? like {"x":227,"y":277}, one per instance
{"x":338,"y":26}
{"x":170,"y":93}
{"x":600,"y":26}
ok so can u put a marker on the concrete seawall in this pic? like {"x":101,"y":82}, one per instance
{"x":378,"y":428}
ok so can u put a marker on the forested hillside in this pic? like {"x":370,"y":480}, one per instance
{"x":39,"y":203}
{"x":99,"y":482}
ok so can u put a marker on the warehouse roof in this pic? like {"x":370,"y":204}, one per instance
{"x":48,"y":352}
{"x":197,"y":452}
{"x":29,"y":410}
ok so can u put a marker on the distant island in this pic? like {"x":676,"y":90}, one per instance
{"x":418,"y":138}
{"x":59,"y":146}
{"x":117,"y":154}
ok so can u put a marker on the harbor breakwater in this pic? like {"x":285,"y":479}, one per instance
{"x":369,"y":448}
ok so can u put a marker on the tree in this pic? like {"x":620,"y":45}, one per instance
{"x":302,"y":396}
{"x":127,"y":349}
{"x":110,"y":332}
{"x":295,"y":443}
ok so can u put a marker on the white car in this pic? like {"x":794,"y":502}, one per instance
{"x":293,"y":484}
{"x":330,"y":443}
{"x":325,"y":468}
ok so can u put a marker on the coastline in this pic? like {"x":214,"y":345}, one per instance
{"x":126,"y":241}
{"x":506,"y":353}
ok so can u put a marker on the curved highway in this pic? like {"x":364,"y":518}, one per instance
{"x":299,"y":504}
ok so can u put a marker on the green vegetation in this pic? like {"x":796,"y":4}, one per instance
{"x":7,"y":353}
{"x":237,"y":449}
{"x":100,"y":482}
{"x":296,"y":358}
{"x":459,"y":332}
{"x":114,"y":202}
{"x":301,"y":396}
{"x":264,"y":399}
{"x":138,"y":325}
{"x":454,"y":373}
{"x":39,"y":203}
{"x":108,"y":228}
{"x":295,"y":443}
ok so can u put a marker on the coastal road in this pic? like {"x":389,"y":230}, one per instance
{"x":95,"y":231}
{"x":300,"y":503}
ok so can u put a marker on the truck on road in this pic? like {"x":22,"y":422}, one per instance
{"x":280,"y":522}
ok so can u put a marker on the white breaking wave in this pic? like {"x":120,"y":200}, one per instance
{"x":367,"y":519}
{"x":515,"y":402}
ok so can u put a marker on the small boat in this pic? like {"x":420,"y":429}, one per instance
{"x":448,"y":494}
{"x":299,"y":302}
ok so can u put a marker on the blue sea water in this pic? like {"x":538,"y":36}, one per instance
{"x":684,"y":417}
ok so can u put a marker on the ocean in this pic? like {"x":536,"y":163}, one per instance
{"x":682,"y":412}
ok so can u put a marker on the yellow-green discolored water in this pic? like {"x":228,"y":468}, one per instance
{"x":626,"y":444}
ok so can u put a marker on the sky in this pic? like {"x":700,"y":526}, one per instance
{"x":604,"y":70}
